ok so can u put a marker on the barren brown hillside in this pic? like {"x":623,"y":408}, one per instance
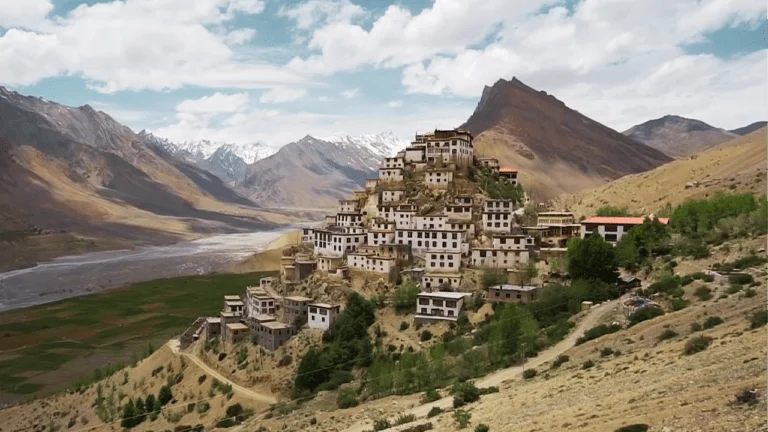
{"x":556,"y":148}
{"x":679,"y":137}
{"x":736,"y":166}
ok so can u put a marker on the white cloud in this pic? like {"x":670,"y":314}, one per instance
{"x":313,"y":12}
{"x":324,"y":99}
{"x":395,"y":104}
{"x":282,"y":94}
{"x":239,"y":36}
{"x":351,"y":93}
{"x":26,"y":13}
{"x":141,"y":44}
{"x":214,"y":104}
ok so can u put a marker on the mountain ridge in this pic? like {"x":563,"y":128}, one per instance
{"x":678,"y":136}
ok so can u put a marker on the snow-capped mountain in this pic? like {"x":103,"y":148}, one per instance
{"x":196,"y":151}
{"x":384,"y":144}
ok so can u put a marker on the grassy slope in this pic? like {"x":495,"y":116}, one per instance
{"x":736,"y":166}
{"x":37,"y":341}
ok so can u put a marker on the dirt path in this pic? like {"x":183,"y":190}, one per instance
{"x":174,"y":345}
{"x":503,"y":375}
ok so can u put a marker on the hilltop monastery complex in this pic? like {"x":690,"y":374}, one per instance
{"x":391,"y":228}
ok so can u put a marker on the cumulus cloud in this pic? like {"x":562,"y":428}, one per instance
{"x":313,"y":12}
{"x":282,"y":94}
{"x":28,"y":14}
{"x":395,"y":104}
{"x":350,"y":93}
{"x":239,"y":36}
{"x":214,"y":104}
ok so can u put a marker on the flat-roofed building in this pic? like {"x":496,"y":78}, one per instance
{"x":462,"y":225}
{"x":513,"y":241}
{"x":438,"y":178}
{"x":390,"y":175}
{"x":498,"y":258}
{"x":414,"y":154}
{"x":509,"y":175}
{"x":349,"y":219}
{"x":391,"y":196}
{"x":464,"y":200}
{"x":554,"y":229}
{"x":555,"y":218}
{"x":404,"y":217}
{"x":229,"y":317}
{"x":233,"y":333}
{"x":431,"y":222}
{"x":393,"y":162}
{"x":212,"y":327}
{"x":371,"y":184}
{"x":329,"y":264}
{"x":449,"y":146}
{"x":322,"y":315}
{"x":386,"y":212}
{"x":274,"y":334}
{"x":497,"y":222}
{"x":258,"y":302}
{"x":233,"y":304}
{"x":492,"y":163}
{"x":267,"y":282}
{"x":295,"y":309}
{"x":307,"y":235}
{"x":432,"y":281}
{"x":499,"y":205}
{"x":432,"y":240}
{"x":459,"y":211}
{"x":376,"y":238}
{"x":255,"y":321}
{"x":442,"y":262}
{"x":439,"y":305}
{"x":348,"y":206}
{"x":337,"y":242}
{"x":369,"y":261}
{"x":612,"y":228}
{"x":513,"y":293}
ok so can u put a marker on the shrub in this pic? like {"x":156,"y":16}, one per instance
{"x":226,"y":423}
{"x":698,"y":275}
{"x":665,"y":285}
{"x":434,"y":412}
{"x":493,"y":277}
{"x":597,"y":331}
{"x":404,"y":297}
{"x":709,"y":278}
{"x":489,"y":390}
{"x":560,"y":360}
{"x":588,"y":364}
{"x":678,"y":303}
{"x":749,"y":293}
{"x":639,"y":427}
{"x":202,"y":407}
{"x":347,"y":398}
{"x":686,"y":280}
{"x":404,"y":326}
{"x":285,"y":361}
{"x":431,"y":395}
{"x":741,"y":279}
{"x":190,"y":407}
{"x":668,"y":334}
{"x":425,"y":335}
{"x":529,"y":373}
{"x":644,"y":314}
{"x":758,"y":319}
{"x":703,"y":293}
{"x":482,"y":428}
{"x":695,"y":327}
{"x":201,"y":378}
{"x":234,"y":410}
{"x":381,"y":424}
{"x":605,"y":352}
{"x":464,"y":393}
{"x":697,"y":344}
{"x":734,"y":288}
{"x":712,"y":321}
{"x":313,"y":421}
{"x":461,"y":418}
{"x":404,"y":418}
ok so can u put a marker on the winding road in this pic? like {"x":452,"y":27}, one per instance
{"x":498,"y":377}
{"x":173,"y":344}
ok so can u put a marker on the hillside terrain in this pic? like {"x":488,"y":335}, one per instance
{"x":736,"y":166}
{"x":555,"y":148}
{"x":748,"y":129}
{"x":76,"y":170}
{"x":679,"y":137}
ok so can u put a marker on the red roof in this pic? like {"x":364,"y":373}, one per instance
{"x":620,"y":220}
{"x":507,"y":169}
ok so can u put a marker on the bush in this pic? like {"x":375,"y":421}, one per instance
{"x":749,"y":293}
{"x":529,"y":373}
{"x":668,"y":334}
{"x":285,"y":361}
{"x":678,"y":303}
{"x":588,"y":364}
{"x":461,"y":418}
{"x":404,"y":326}
{"x":639,"y":427}
{"x":605,"y":352}
{"x":404,"y":297}
{"x":597,"y":331}
{"x":695,"y":327}
{"x":686,"y":280}
{"x":666,"y":284}
{"x":703,"y":293}
{"x":403,"y":419}
{"x":464,"y":393}
{"x":431,"y":395}
{"x":734,"y":288}
{"x":482,"y":428}
{"x":741,"y":279}
{"x":202,"y":407}
{"x":758,"y":319}
{"x":741,"y":263}
{"x":697,"y":344}
{"x":709,"y":278}
{"x":712,"y":321}
{"x":347,"y":398}
{"x":644,"y":314}
{"x":560,"y":360}
{"x":493,"y":277}
{"x":425,"y":335}
{"x":434,"y":412}
{"x":381,"y":424}
{"x":226,"y":423}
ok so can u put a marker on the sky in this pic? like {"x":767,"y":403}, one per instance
{"x":273,"y":71}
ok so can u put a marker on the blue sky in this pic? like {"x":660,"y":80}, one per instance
{"x":272,"y":71}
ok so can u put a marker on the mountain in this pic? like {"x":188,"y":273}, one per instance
{"x":313,"y":172}
{"x":736,"y":166}
{"x":679,"y":136}
{"x":555,"y":148}
{"x":746,"y":130}
{"x":77,"y":169}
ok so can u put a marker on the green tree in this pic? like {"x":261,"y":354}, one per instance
{"x":641,"y":243}
{"x":493,"y":277}
{"x":165,"y":395}
{"x":592,"y":258}
{"x":129,"y":415}
{"x":530,"y":272}
{"x":141,"y":412}
{"x":404,"y":297}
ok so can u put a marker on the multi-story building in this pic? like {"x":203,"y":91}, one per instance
{"x":394,"y":162}
{"x":512,"y":293}
{"x":297,"y":268}
{"x":233,"y":333}
{"x":442,"y":262}
{"x":391,"y":196}
{"x":555,"y":218}
{"x":258,"y":302}
{"x":348,"y":206}
{"x":371,"y":262}
{"x":378,"y":237}
{"x":554,"y":229}
{"x":459,"y":211}
{"x":492,"y":163}
{"x":498,"y":205}
{"x":459,"y":225}
{"x":464,"y":200}
{"x":353,"y":219}
{"x":386,"y":211}
{"x":414,"y":154}
{"x":322,"y":315}
{"x":295,"y":309}
{"x":438,"y":178}
{"x":449,"y":146}
{"x":307,"y":235}
{"x":439,"y":280}
{"x":508,"y":251}
{"x":431,"y":222}
{"x":509,"y":175}
{"x":432,"y":240}
{"x":272,"y":335}
{"x":439,"y":305}
{"x":612,"y":229}
{"x":497,"y":222}
{"x":390,"y":175}
{"x":233,"y":303}
{"x":404,"y":216}
{"x":371,"y":184}
{"x":336,"y":242}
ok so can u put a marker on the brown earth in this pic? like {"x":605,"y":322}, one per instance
{"x":678,"y":136}
{"x":736,"y":166}
{"x":555,"y":148}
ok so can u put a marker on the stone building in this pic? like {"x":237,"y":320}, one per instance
{"x":512,"y":293}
